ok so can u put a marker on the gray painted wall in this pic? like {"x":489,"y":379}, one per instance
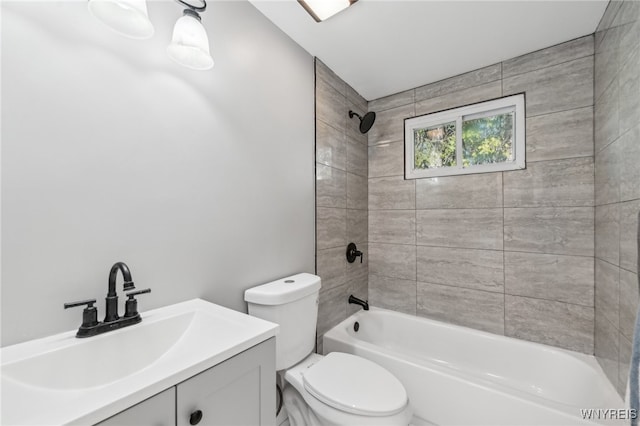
{"x":202,"y":182}
{"x":617,"y":185}
{"x":508,"y":252}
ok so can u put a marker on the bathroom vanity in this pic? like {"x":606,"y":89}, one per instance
{"x":190,"y":363}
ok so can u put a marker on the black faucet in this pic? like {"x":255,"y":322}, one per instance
{"x":112,"y":321}
{"x":356,"y":301}
{"x":112,"y":297}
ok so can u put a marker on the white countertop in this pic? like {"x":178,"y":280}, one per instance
{"x":211,"y":335}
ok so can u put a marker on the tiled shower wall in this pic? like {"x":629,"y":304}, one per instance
{"x":617,"y":185}
{"x":341,"y":197}
{"x":509,"y":252}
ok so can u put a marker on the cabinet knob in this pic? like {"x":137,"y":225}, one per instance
{"x":195,"y":417}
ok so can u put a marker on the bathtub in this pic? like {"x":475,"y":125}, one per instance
{"x":460,"y":376}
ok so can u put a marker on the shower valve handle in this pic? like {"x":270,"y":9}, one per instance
{"x":353,"y":252}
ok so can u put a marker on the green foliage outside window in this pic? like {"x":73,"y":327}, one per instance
{"x":435,"y":146}
{"x":484,"y":140}
{"x":487,"y":140}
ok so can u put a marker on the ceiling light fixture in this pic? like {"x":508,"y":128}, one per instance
{"x":324,"y":9}
{"x":190,"y":45}
{"x":126,"y":17}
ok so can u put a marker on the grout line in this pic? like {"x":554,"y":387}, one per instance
{"x":504,"y":274}
{"x":415,"y":218}
{"x":550,"y":66}
{"x":562,"y":110}
{"x":496,"y":207}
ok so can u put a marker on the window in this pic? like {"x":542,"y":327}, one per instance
{"x":484,"y":137}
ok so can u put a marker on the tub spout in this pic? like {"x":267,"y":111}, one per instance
{"x":356,"y":301}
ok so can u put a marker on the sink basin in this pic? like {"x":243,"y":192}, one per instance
{"x":99,"y":360}
{"x":62,"y":379}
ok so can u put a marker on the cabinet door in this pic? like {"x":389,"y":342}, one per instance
{"x":159,"y":410}
{"x":238,"y":391}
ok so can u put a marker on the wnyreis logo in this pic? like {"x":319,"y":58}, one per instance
{"x":608,"y":414}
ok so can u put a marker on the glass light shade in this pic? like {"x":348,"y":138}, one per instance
{"x":126,"y":17}
{"x":324,"y":9}
{"x":190,"y":45}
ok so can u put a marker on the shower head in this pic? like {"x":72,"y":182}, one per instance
{"x":366,"y":122}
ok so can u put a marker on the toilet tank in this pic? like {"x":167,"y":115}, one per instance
{"x":292,"y":303}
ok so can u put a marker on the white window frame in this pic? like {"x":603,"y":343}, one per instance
{"x":515,"y":103}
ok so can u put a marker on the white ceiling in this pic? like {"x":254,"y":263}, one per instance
{"x":381,"y":47}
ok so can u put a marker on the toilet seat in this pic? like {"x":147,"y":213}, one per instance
{"x":355,"y":385}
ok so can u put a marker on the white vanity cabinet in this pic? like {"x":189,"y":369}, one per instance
{"x":159,"y":410}
{"x":238,"y":391}
{"x":190,"y":356}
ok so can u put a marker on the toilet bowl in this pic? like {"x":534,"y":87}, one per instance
{"x":344,"y":389}
{"x":336,"y":389}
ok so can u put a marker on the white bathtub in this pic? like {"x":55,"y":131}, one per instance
{"x":459,"y":376}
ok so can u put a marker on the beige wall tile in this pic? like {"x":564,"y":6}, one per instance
{"x":482,"y":310}
{"x":386,"y":160}
{"x":331,"y":148}
{"x":607,"y":348}
{"x":393,"y":260}
{"x":356,"y":192}
{"x":357,"y":226}
{"x":392,"y":226}
{"x":607,"y":282}
{"x":357,"y":158}
{"x":460,"y":82}
{"x":463,"y":228}
{"x":629,"y":300}
{"x":606,"y":116}
{"x":392,"y":101}
{"x":468,"y":191}
{"x":559,"y":135}
{"x":389,"y":125}
{"x":331,"y":187}
{"x":561,"y":278}
{"x":624,"y":361}
{"x":630,"y":163}
{"x":469,"y":268}
{"x":553,"y":323}
{"x":471,"y":95}
{"x":392,"y":293}
{"x":392,"y":193}
{"x":330,"y":105}
{"x":332,"y":307}
{"x":553,"y":230}
{"x":628,"y":235}
{"x":556,"y":88}
{"x":607,"y":174}
{"x":331,"y":267}
{"x":331,"y":228}
{"x":608,"y":233}
{"x":553,"y":55}
{"x":551,"y":183}
{"x":629,"y":102}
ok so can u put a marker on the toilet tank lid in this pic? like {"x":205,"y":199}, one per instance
{"x":284,"y":290}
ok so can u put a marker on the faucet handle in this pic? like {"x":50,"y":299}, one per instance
{"x":88,"y":302}
{"x":131,"y":305}
{"x":135,"y":293}
{"x":89,"y":314}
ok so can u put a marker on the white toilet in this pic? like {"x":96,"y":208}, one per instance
{"x":336,"y":389}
